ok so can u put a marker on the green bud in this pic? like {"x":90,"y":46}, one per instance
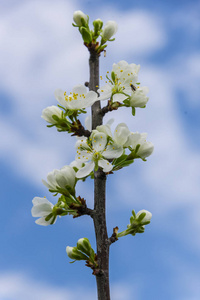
{"x":84,"y":246}
{"x":144,"y":216}
{"x":74,"y":253}
{"x":98,"y":24}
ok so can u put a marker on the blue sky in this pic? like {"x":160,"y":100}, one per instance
{"x":40,"y":51}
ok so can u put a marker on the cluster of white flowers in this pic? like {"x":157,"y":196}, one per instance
{"x":123,"y":85}
{"x":102,"y":149}
{"x":95,"y":152}
{"x":127,"y":139}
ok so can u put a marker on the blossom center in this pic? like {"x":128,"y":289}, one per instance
{"x":74,"y":96}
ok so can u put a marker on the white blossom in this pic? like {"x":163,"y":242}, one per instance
{"x":135,"y":138}
{"x":42,"y":208}
{"x":95,"y":153}
{"x":60,"y":179}
{"x":119,"y":87}
{"x":121,"y":134}
{"x":79,"y":98}
{"x":50,"y":111}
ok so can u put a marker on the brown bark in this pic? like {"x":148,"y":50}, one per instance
{"x":99,"y":214}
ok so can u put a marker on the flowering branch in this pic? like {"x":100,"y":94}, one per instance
{"x":99,"y":152}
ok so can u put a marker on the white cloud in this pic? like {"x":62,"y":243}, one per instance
{"x":20,"y":286}
{"x":140,"y":33}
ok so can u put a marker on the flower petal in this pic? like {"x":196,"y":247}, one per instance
{"x":83,"y":156}
{"x":121,"y":134}
{"x":118,"y":97}
{"x":105,"y":92}
{"x":90,"y":98}
{"x":105,"y":165}
{"x":59,"y":95}
{"x":79,"y":89}
{"x":39,"y":200}
{"x":42,"y":221}
{"x":41,"y":210}
{"x":113,"y":151}
{"x":88,"y":123}
{"x":86,"y":170}
{"x":105,"y":129}
{"x":99,"y":141}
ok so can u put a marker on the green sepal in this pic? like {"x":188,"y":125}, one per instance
{"x":133,"y":111}
{"x":111,"y":40}
{"x":49,"y":217}
{"x":78,"y":255}
{"x":56,"y":118}
{"x":113,"y":76}
{"x":86,"y":35}
{"x":137,"y":148}
{"x":122,"y":162}
{"x":146,"y":223}
{"x":133,"y":213}
{"x":141,"y":217}
{"x":126,"y":102}
{"x":85,"y":247}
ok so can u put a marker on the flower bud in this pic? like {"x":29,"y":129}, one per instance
{"x":84,"y":246}
{"x":145,"y":150}
{"x":138,"y":97}
{"x":49,"y":112}
{"x":65,"y":177}
{"x":98,"y":23}
{"x":146,"y":218}
{"x":109,"y":30}
{"x":74,"y":253}
{"x":80,"y":18}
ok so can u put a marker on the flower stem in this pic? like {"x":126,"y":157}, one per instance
{"x":99,"y":214}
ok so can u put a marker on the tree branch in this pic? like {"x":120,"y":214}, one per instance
{"x":99,"y":215}
{"x":79,"y":130}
